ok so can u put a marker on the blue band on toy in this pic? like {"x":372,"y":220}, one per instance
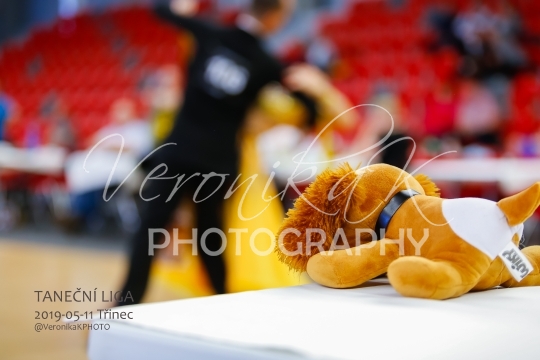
{"x":391,"y":208}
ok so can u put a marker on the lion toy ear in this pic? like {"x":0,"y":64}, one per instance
{"x":318,"y":213}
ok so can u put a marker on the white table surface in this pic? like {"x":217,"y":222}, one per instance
{"x":512,"y":174}
{"x":44,"y":160}
{"x":371,"y":322}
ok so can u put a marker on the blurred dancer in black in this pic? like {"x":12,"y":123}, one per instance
{"x":227,"y":71}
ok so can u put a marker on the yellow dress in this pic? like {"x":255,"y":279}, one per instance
{"x":251,"y":264}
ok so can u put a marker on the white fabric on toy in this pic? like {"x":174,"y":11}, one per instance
{"x":481,"y":223}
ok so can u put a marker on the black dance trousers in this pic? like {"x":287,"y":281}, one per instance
{"x":207,"y":193}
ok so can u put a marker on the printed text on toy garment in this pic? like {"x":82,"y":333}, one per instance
{"x":517,"y":262}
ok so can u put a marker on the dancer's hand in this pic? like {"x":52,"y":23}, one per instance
{"x":185,"y":7}
{"x":307,"y":79}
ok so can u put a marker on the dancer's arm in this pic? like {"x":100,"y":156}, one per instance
{"x":179,"y":13}
{"x":330,"y":101}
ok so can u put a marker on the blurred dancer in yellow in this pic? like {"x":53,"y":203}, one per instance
{"x":249,"y":256}
{"x":228,"y":69}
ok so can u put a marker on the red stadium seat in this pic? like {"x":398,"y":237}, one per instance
{"x":118,"y":45}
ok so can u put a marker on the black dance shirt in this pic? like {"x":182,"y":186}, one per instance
{"x":227,"y":71}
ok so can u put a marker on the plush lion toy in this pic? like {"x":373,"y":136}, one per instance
{"x":352,"y":226}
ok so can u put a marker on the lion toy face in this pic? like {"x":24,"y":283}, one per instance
{"x":353,"y":225}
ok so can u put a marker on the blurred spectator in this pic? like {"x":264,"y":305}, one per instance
{"x":34,"y":133}
{"x":478,"y":116}
{"x":440,"y":110}
{"x":51,"y":127}
{"x":523,"y":131}
{"x":8,"y":111}
{"x":473,"y":26}
{"x":508,"y":25}
{"x":58,"y":129}
{"x":105,"y":169}
{"x":490,"y":40}
{"x":441,"y":18}
{"x":523,"y":145}
{"x":123,"y":121}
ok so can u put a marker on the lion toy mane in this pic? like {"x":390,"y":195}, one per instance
{"x":351,"y":226}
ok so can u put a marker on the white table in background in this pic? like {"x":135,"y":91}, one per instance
{"x":513,"y":174}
